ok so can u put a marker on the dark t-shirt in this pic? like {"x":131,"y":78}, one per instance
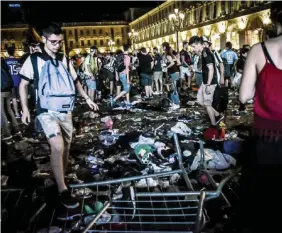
{"x":187,"y":59}
{"x":158,"y":59}
{"x":145,"y":63}
{"x":240,"y":63}
{"x":208,"y":58}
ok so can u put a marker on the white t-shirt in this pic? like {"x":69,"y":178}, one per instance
{"x":28,"y":73}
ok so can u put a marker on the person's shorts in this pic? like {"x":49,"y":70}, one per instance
{"x":56,"y":123}
{"x":125,"y":84}
{"x":110,"y":75}
{"x":158,"y":75}
{"x":204,"y":99}
{"x":184,"y":72}
{"x":174,"y":76}
{"x":91,"y":84}
{"x":15,"y":93}
{"x":118,"y":83}
{"x":146,"y":79}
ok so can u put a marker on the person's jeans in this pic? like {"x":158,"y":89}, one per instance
{"x":174,"y":97}
{"x":6,"y":101}
{"x":125,"y":84}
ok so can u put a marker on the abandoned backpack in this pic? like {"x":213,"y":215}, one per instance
{"x":56,"y":89}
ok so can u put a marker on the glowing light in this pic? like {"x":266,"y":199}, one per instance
{"x":242,"y":22}
{"x":194,"y":31}
{"x":222,"y":27}
{"x":207,"y":30}
{"x":216,"y":36}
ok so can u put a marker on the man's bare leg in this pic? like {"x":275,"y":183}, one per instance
{"x":57,"y":165}
{"x":66,"y":155}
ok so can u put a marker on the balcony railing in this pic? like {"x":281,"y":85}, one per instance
{"x":103,"y":23}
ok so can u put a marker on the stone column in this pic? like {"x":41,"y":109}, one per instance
{"x":222,"y":40}
{"x":218,"y":8}
{"x":242,"y":40}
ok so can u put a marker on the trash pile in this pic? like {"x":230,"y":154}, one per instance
{"x":136,"y":144}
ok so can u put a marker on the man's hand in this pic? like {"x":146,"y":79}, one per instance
{"x":208,"y":90}
{"x":25,"y":117}
{"x":92,"y":105}
{"x":221,"y":81}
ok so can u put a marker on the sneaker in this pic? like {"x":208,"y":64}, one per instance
{"x":7,"y":138}
{"x":175,"y":107}
{"x":149,"y":182}
{"x":83,"y":193}
{"x":70,"y":214}
{"x":18,"y":116}
{"x":67,"y":200}
{"x":219,"y":118}
{"x":156,"y":93}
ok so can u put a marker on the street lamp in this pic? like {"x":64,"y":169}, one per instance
{"x":176,"y":19}
{"x":132,"y":35}
{"x":111,"y":44}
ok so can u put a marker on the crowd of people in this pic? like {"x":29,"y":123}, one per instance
{"x":48,"y":80}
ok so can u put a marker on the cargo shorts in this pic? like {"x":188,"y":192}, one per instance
{"x":57,"y":123}
{"x":204,"y":99}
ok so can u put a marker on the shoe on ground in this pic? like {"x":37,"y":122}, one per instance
{"x":7,"y":138}
{"x":18,"y":116}
{"x":219,"y":118}
{"x":67,"y":200}
{"x":149,"y":182}
{"x":69,"y":214}
{"x":175,"y":107}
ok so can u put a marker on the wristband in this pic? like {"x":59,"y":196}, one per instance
{"x":87,"y":98}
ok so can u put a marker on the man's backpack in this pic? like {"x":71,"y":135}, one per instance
{"x":220,"y":99}
{"x":7,"y":82}
{"x":55,"y":86}
{"x":119,"y":63}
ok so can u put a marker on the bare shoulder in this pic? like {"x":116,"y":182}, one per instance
{"x":256,"y":49}
{"x":256,"y":53}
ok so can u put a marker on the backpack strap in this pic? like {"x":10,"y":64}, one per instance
{"x":34,"y":62}
{"x":60,"y":57}
{"x":266,"y":54}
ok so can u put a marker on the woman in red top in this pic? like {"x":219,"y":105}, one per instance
{"x":261,"y":200}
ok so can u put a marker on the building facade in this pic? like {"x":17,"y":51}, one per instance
{"x":108,"y":36}
{"x":13,"y":36}
{"x":241,"y":22}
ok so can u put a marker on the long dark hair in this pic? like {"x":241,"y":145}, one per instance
{"x":276,"y":12}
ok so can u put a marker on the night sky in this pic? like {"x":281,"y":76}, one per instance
{"x":74,"y":11}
